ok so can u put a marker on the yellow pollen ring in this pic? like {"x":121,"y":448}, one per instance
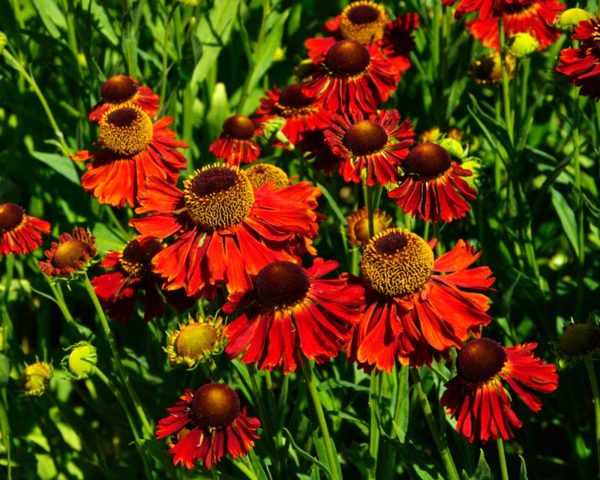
{"x":126,"y":130}
{"x":363,"y":21}
{"x":396,"y":273}
{"x":222,"y":208}
{"x":262,"y":173}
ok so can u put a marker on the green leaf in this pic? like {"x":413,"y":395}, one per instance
{"x":523,"y":469}
{"x":482,"y":471}
{"x":400,"y":417}
{"x":567,"y":218}
{"x":219,"y":110}
{"x":494,"y":133}
{"x":51,"y":16}
{"x":60,"y":164}
{"x":102,"y":21}
{"x":4,"y":370}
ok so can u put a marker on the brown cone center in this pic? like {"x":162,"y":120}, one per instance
{"x":392,"y":243}
{"x":137,"y":256}
{"x":123,"y":117}
{"x":365,"y":137}
{"x":69,"y":253}
{"x":11,"y":216}
{"x":428,"y":160}
{"x":347,"y":58}
{"x":362,"y":14}
{"x":239,"y":126}
{"x":118,"y":88}
{"x":213,"y":180}
{"x":480,"y":359}
{"x":292,"y":97}
{"x":281,"y":284}
{"x":215,"y":405}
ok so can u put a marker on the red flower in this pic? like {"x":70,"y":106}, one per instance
{"x":292,"y":312}
{"x":486,"y":8}
{"x":582,"y":65}
{"x":19,"y":232}
{"x":224,"y":229}
{"x":414,"y":313}
{"x":207,"y":424}
{"x":298,"y":111}
{"x":533,"y":17}
{"x":136,"y":151}
{"x":132,"y":274}
{"x":376,"y":143}
{"x":314,"y":145}
{"x":122,"y":89}
{"x":352,"y":78}
{"x":432,"y":186}
{"x":71,"y":255}
{"x":477,"y":398}
{"x":397,"y":42}
{"x":236,"y":144}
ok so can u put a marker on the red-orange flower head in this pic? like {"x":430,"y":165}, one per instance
{"x":414,"y":313}
{"x":486,"y":8}
{"x":432,"y":186}
{"x":398,"y":41}
{"x":131,"y":276}
{"x":292,"y":313}
{"x":352,"y":78}
{"x":477,"y":398}
{"x":122,"y":90}
{"x":71,"y":255}
{"x":299,"y":112}
{"x":581,"y":65}
{"x":236,"y":143}
{"x":225,"y":230}
{"x":373,"y":145}
{"x":363,"y":21}
{"x":531,"y":16}
{"x":358,"y":225}
{"x":136,"y":153}
{"x":19,"y":232}
{"x":206,"y":424}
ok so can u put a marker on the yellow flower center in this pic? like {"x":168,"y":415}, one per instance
{"x":136,"y":257}
{"x":358,"y":225}
{"x":347,"y":58}
{"x":363,"y":21}
{"x":365,"y":137}
{"x":11,"y":216}
{"x":126,"y":130}
{"x":218,"y":197}
{"x":69,"y":253}
{"x":397,"y":262}
{"x":215,"y":405}
{"x":262,"y":173}
{"x":195,"y":339}
{"x":281,"y":284}
{"x":480,"y":360}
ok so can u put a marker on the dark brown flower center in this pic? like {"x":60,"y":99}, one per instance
{"x":11,"y":216}
{"x":292,"y":97}
{"x":118,"y":88}
{"x":123,"y":117}
{"x":427,"y":160}
{"x":281,"y":284}
{"x":69,"y":253}
{"x":347,"y":58}
{"x":215,"y":405}
{"x":480,"y":360}
{"x":392,"y":243}
{"x":137,"y":256}
{"x":239,"y":126}
{"x":213,"y":180}
{"x":579,"y":339}
{"x":365,"y":137}
{"x":362,"y":14}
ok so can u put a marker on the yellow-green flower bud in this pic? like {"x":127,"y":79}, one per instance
{"x":36,"y":377}
{"x":81,"y":361}
{"x":522,"y":45}
{"x":570,"y":18}
{"x":453,"y":147}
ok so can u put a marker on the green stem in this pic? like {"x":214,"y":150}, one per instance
{"x":316,"y":401}
{"x":7,"y":324}
{"x":502,"y":458}
{"x":440,"y":440}
{"x":374,"y":395}
{"x":241,"y":466}
{"x":5,"y":429}
{"x":262,"y":410}
{"x":589,"y":366}
{"x":146,"y":427}
{"x":165,"y":53}
{"x":526,"y":63}
{"x":579,"y":208}
{"x":508,"y":116}
{"x":368,"y":205}
{"x":60,"y":301}
{"x":115,"y":221}
{"x":138,"y":440}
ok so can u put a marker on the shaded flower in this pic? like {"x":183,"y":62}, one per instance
{"x":417,"y":308}
{"x":36,"y":378}
{"x":533,"y":17}
{"x":137,"y":152}
{"x":206,"y":424}
{"x":292,"y":313}
{"x":372,"y":145}
{"x":314,"y":146}
{"x":299,"y":112}
{"x":581,"y":65}
{"x":398,"y":41}
{"x":236,"y":143}
{"x":195,"y":340}
{"x":432,"y":186}
{"x":478,"y":399}
{"x":19,"y":232}
{"x":358,"y":225}
{"x":352,"y":78}
{"x":487,"y":69}
{"x":72,"y":255}
{"x":579,"y":339}
{"x":225,"y":230}
{"x":119,"y":90}
{"x":132,"y":277}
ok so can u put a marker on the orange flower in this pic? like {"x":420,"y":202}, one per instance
{"x":71,"y":255}
{"x":236,"y":143}
{"x":19,"y":232}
